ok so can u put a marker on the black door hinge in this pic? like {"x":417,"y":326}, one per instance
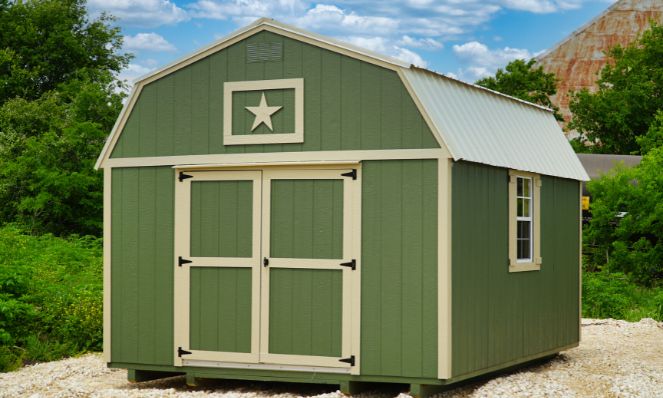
{"x":181,"y":352}
{"x":352,"y":264}
{"x":352,"y":174}
{"x":183,"y":176}
{"x":350,"y":360}
{"x":181,"y":261}
{"x":265,"y":261}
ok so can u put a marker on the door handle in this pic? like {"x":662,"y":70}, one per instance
{"x":265,"y":261}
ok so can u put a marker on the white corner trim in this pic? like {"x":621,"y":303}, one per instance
{"x":444,"y":286}
{"x":109,"y":145}
{"x":108,"y":181}
{"x":296,"y":136}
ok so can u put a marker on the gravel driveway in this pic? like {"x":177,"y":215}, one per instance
{"x":615,"y":359}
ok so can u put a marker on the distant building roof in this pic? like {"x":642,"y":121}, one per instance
{"x":599,"y":164}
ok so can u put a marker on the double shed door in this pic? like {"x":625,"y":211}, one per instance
{"x":266,"y":269}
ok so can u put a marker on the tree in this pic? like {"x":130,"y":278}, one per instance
{"x":47,"y":151}
{"x":521,"y":79}
{"x":58,"y":101}
{"x":629,"y":93}
{"x":47,"y":42}
{"x":635,"y":242}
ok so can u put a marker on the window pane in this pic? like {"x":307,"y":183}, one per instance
{"x":519,"y":207}
{"x":526,"y":207}
{"x":526,"y":184}
{"x":523,"y":229}
{"x":523,"y":249}
{"x":519,"y":184}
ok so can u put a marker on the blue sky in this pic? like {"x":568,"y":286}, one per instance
{"x":467,"y":39}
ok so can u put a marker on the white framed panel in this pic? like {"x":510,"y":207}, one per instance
{"x":182,"y":273}
{"x":296,"y":136}
{"x":350,"y":328}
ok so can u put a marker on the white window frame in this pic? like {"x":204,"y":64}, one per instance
{"x":294,"y":137}
{"x":534,"y":262}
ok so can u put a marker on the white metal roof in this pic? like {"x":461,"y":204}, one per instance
{"x":480,"y":126}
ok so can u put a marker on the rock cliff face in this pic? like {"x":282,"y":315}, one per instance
{"x":578,"y":59}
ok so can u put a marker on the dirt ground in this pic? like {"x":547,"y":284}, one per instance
{"x":614,"y":359}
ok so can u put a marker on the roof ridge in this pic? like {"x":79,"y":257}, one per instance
{"x":478,"y":87}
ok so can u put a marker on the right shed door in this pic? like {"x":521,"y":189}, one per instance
{"x":306,"y":289}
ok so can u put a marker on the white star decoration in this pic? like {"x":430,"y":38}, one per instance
{"x":263,"y":113}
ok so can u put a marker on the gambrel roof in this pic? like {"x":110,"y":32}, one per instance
{"x":473,"y":123}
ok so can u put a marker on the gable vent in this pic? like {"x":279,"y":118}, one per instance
{"x":261,"y":52}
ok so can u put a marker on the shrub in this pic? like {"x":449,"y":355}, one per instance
{"x":613,"y":295}
{"x":51,"y":297}
{"x":634,"y":243}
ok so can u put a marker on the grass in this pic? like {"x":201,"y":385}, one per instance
{"x":614,"y":295}
{"x":50,"y":297}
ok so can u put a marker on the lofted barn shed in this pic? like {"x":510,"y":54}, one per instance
{"x":281,"y":206}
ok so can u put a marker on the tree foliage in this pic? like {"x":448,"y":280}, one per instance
{"x":521,"y":79}
{"x":58,"y":102}
{"x":629,"y":93}
{"x":44,"y":43}
{"x":634,"y":243}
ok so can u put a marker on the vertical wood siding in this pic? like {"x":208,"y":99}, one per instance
{"x":305,"y":309}
{"x":220,"y":309}
{"x":306,"y":219}
{"x":142,"y":265}
{"x":399,"y":268}
{"x":348,"y":105}
{"x":499,"y":316}
{"x":221,"y":218}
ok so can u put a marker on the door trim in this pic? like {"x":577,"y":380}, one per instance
{"x":182,"y":273}
{"x":351,"y":279}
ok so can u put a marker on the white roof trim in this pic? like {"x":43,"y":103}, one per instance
{"x":255,"y":27}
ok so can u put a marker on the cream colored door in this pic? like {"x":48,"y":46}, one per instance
{"x":310,"y":273}
{"x":217,"y":267}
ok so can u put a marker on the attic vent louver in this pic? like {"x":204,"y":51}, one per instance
{"x":261,"y":52}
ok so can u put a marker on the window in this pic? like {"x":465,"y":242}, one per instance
{"x":524,"y":222}
{"x":523,"y":219}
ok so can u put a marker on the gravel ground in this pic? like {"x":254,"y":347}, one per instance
{"x":615,"y":359}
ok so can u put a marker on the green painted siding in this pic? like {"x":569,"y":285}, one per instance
{"x":220,"y":309}
{"x":499,"y":316}
{"x":348,"y":104}
{"x":305,"y":311}
{"x":306,"y":219}
{"x":399,"y":268}
{"x":221,"y":218}
{"x":142,"y":265}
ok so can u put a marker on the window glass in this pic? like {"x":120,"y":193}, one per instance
{"x":524,"y":219}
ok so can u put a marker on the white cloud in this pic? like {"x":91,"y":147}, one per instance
{"x":333,"y":18}
{"x":542,"y":6}
{"x":481,"y":61}
{"x":387,"y":47}
{"x":144,"y":13}
{"x":148,"y":42}
{"x":422,"y":42}
{"x":133,"y":71}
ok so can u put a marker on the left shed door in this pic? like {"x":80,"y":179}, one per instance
{"x":217,"y":265}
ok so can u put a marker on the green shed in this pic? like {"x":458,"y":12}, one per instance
{"x":281,"y":206}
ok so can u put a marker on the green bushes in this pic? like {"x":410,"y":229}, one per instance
{"x":50,"y":297}
{"x":632,"y":244}
{"x":613,"y":295}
